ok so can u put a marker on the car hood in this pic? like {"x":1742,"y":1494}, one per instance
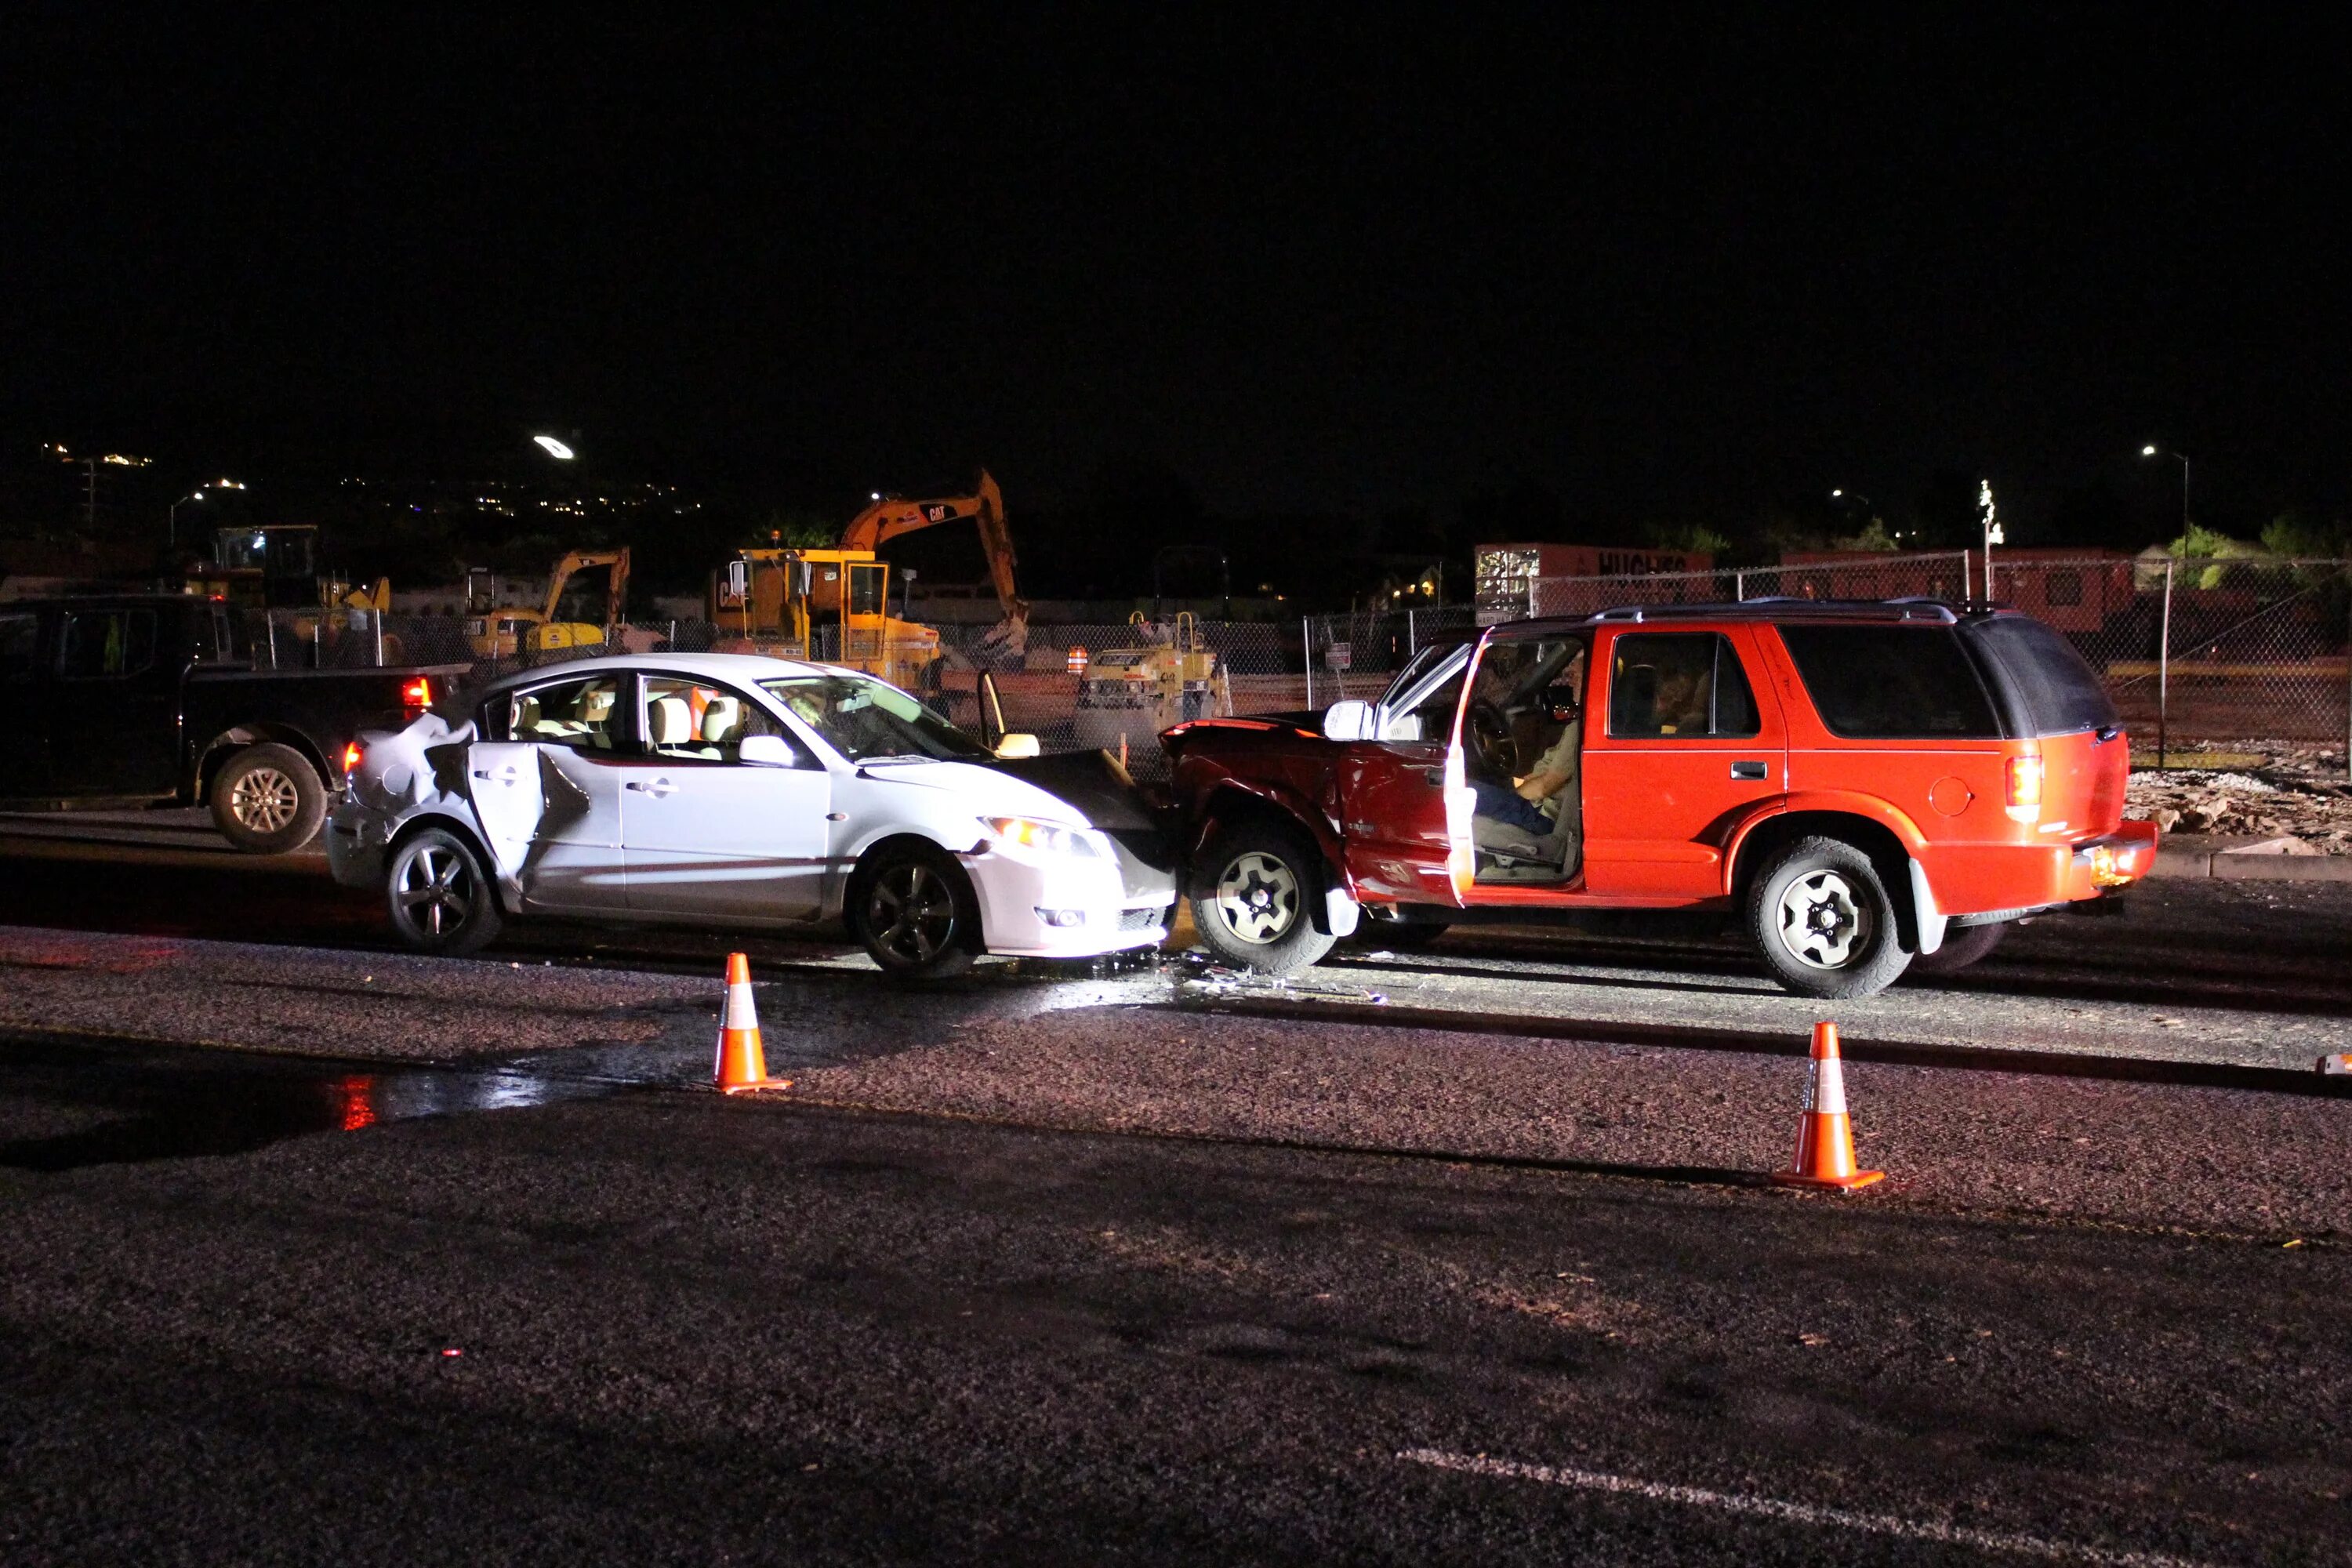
{"x":984,"y":788}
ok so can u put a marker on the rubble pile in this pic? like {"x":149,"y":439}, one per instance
{"x":2256,"y":790}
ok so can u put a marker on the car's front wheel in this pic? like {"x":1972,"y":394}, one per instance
{"x":1823,"y":922}
{"x":441,"y":901}
{"x":1251,"y":895}
{"x":269,"y":799}
{"x":916,"y":913}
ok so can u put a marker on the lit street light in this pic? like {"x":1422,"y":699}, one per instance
{"x":195,"y":495}
{"x":2152,"y":449}
{"x":554,"y":447}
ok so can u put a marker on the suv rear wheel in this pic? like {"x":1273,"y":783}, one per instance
{"x":1822,"y":920}
{"x":1250,"y":898}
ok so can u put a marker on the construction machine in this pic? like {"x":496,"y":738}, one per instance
{"x":835,"y":603}
{"x":519,"y":631}
{"x":1127,"y":695}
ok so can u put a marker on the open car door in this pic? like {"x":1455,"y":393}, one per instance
{"x":1405,"y":801}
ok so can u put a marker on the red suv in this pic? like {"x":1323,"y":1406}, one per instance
{"x":1861,"y":785}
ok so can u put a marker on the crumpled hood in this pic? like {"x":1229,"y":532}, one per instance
{"x":988,"y":792}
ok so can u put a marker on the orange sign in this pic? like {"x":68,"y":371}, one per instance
{"x":1078,"y":661}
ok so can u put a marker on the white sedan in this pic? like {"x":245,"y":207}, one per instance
{"x":733,"y":789}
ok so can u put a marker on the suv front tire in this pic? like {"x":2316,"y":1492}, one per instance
{"x":1252,"y":899}
{"x":1821,"y":918}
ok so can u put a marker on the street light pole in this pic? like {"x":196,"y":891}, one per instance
{"x":173,"y":533}
{"x":2152,"y":449}
{"x":1992,"y":533}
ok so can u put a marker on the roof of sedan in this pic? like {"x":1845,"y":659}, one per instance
{"x":737,"y":667}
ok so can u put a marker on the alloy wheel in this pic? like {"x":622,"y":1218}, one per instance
{"x":911,"y":912}
{"x":264,"y":800}
{"x":1258,"y":896}
{"x":1824,"y":923}
{"x":435,"y":890}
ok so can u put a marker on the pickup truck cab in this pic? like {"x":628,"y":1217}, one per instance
{"x":1860,"y":786}
{"x":145,"y":699}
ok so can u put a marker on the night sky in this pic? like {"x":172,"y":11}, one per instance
{"x":1669,"y":271}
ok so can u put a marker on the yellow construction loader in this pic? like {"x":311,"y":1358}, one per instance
{"x":512,"y":631}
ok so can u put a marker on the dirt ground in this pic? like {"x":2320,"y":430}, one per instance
{"x":2255,"y":789}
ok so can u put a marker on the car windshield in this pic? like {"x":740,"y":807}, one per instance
{"x":865,"y":719}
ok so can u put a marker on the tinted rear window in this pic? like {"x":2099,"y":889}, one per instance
{"x":1892,"y":683}
{"x":2048,"y":687}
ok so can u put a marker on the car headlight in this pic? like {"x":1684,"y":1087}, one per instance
{"x":1052,"y":837}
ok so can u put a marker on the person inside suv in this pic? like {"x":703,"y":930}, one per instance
{"x":1537,"y":815}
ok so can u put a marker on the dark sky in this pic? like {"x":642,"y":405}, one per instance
{"x":1665,"y":268}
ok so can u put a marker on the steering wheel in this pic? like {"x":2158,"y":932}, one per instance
{"x":1491,"y":740}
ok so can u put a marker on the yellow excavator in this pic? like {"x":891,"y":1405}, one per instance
{"x":510,"y":631}
{"x":782,"y":600}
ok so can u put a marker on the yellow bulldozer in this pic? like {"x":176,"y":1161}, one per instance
{"x":835,"y":603}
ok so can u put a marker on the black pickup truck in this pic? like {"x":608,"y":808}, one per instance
{"x":152,"y":698}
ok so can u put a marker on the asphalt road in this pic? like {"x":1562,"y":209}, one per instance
{"x":1141,"y":1265}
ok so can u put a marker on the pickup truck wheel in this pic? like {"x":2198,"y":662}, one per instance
{"x":1961,"y":948}
{"x":440,"y":899}
{"x":1822,"y":920}
{"x":267,"y":799}
{"x":1250,"y":900}
{"x":916,"y":913}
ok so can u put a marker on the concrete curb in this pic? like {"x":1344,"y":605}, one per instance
{"x":2216,"y":858}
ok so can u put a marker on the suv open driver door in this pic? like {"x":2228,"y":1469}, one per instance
{"x":1404,"y":800}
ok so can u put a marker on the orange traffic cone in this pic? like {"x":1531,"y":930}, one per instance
{"x":1824,"y":1140}
{"x":741,"y":1064}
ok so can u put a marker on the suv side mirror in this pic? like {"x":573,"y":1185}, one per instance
{"x":1014,"y":747}
{"x":767,"y":752}
{"x":1350,"y":720}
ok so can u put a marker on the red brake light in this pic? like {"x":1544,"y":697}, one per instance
{"x":2025,"y":781}
{"x":417,"y":694}
{"x":351,"y":755}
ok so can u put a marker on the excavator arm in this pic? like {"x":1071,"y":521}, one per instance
{"x":891,"y":515}
{"x":616,"y":593}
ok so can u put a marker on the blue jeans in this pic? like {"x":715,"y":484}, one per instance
{"x":1501,"y":804}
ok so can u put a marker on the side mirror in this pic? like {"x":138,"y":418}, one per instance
{"x":767,"y":752}
{"x":1012,"y":748}
{"x":992,"y":713}
{"x":1350,"y":720}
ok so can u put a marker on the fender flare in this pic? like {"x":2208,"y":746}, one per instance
{"x":1924,"y":923}
{"x":1233,"y":797}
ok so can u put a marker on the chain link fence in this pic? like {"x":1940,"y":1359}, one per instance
{"x":2224,"y":651}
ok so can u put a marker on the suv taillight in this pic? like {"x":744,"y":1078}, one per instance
{"x":417,"y":695}
{"x":353,"y":754}
{"x":2025,"y":791}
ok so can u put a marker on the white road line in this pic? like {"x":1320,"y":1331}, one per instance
{"x":1796,"y":1512}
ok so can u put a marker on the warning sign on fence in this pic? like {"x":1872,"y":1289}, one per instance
{"x":1339,"y":655}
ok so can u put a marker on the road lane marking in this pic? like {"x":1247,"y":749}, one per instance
{"x":1929,"y":1530}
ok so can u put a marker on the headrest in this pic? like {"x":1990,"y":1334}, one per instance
{"x":597,"y":706}
{"x":721,"y":719}
{"x":673,"y":722}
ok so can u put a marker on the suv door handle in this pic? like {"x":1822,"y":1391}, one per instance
{"x":1434,"y":778}
{"x":658,"y":788}
{"x":506,"y":775}
{"x":1752,"y":770}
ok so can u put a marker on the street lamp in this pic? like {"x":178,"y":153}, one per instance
{"x":195,"y":495}
{"x":2152,"y":449}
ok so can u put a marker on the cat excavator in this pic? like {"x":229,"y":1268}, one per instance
{"x":511,"y":631}
{"x":833,"y":604}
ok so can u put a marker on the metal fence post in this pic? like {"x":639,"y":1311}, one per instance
{"x":2347,"y":685}
{"x":1739,"y":587}
{"x":2164,"y":669}
{"x":377,"y":616}
{"x":1306,"y":653}
{"x":1410,"y":647}
{"x":1968,"y":580}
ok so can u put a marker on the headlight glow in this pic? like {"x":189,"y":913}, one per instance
{"x":1052,"y":837}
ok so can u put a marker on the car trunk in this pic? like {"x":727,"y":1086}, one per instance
{"x":2048,"y":694}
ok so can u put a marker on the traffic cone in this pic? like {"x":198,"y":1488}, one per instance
{"x":1825,"y":1139}
{"x":742,"y":1065}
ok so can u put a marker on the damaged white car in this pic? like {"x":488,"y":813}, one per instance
{"x":740,"y":791}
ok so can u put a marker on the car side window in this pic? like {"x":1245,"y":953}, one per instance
{"x":1687,"y":685}
{"x":692,"y":721}
{"x":105,"y":644}
{"x":20,"y":641}
{"x":583,"y":714}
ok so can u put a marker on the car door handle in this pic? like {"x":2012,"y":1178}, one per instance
{"x":505,"y":776}
{"x":1752,"y":770}
{"x":1436,"y":778}
{"x":658,"y":788}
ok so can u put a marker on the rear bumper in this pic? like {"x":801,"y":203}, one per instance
{"x":2116,"y":860}
{"x":1992,"y":878}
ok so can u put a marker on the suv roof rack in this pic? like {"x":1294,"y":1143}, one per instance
{"x":1917,"y":608}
